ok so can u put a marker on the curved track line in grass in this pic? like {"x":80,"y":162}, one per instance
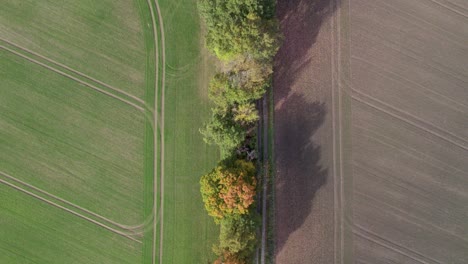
{"x":372,"y":236}
{"x":73,"y":78}
{"x":149,"y":118}
{"x":69,"y":211}
{"x":126,"y":227}
{"x":153,"y":217}
{"x":72,"y":70}
{"x":446,"y":138}
{"x":163,"y":80}
{"x":155,"y":134}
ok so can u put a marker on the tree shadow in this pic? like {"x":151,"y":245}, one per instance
{"x":300,"y":174}
{"x":300,"y":23}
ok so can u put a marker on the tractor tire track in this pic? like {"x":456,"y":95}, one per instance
{"x":155,"y":123}
{"x":155,"y":134}
{"x":73,"y":70}
{"x":125,"y":227}
{"x":400,"y":78}
{"x":406,"y":120}
{"x":411,"y":218}
{"x":449,"y":8}
{"x":414,"y":153}
{"x":70,"y":211}
{"x":163,"y":81}
{"x":431,"y":25}
{"x":79,"y":81}
{"x":337,"y":148}
{"x":73,"y":78}
{"x":373,"y":237}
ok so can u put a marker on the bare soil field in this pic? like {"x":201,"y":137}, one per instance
{"x":371,"y":132}
{"x":303,"y":134}
{"x":409,"y":131}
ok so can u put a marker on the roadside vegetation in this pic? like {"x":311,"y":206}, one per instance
{"x":244,"y":36}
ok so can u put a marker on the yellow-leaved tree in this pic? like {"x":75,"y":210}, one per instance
{"x":229,"y":190}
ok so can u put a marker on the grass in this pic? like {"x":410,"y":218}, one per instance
{"x":189,"y":232}
{"x":103,"y":39}
{"x":35,"y":232}
{"x":94,"y":150}
{"x":270,"y":239}
{"x":70,"y":140}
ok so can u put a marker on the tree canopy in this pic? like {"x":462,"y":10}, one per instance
{"x":240,"y":27}
{"x":223,"y":131}
{"x":244,"y":35}
{"x":238,"y":236}
{"x":229,"y":190}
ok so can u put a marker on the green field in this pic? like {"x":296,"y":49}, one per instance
{"x":34,"y":232}
{"x":103,"y":39}
{"x":76,"y":111}
{"x":189,"y":232}
{"x":69,"y":140}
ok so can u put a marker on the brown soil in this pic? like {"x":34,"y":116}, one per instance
{"x":305,"y":182}
{"x":408,"y":85}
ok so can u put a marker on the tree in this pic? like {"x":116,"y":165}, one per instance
{"x":229,"y":189}
{"x":245,"y":113}
{"x":238,"y":236}
{"x":251,"y":75}
{"x":225,"y":94}
{"x":223,"y":131}
{"x":239,"y":27}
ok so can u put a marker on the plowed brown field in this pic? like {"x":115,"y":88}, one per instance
{"x":371,"y":124}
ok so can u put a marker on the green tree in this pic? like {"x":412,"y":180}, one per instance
{"x":238,"y":236}
{"x":245,"y":113}
{"x":239,"y":28}
{"x":223,"y":131}
{"x":225,"y":94}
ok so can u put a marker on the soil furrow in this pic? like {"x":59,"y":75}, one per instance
{"x":397,"y":76}
{"x":416,"y":219}
{"x":446,"y":138}
{"x":371,"y":236}
{"x":392,"y":143}
{"x":449,"y":8}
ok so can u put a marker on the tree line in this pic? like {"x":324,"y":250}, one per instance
{"x":244,"y":36}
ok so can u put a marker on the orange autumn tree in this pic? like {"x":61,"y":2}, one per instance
{"x":229,"y":190}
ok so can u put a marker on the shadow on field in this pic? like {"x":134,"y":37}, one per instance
{"x":299,"y":173}
{"x":302,"y":174}
{"x":300,"y":22}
